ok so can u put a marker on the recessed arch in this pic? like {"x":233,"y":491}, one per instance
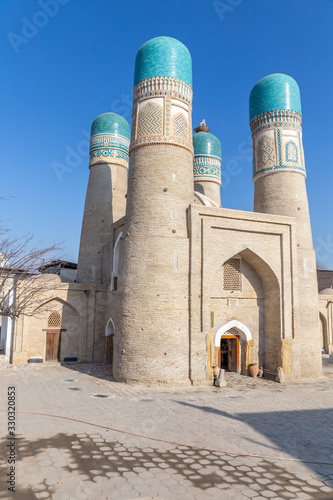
{"x":115,"y":263}
{"x":266,"y":330}
{"x":56,"y":299}
{"x":244,"y":332}
{"x":260,"y":265}
{"x":323,"y":326}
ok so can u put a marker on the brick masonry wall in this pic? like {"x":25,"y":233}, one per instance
{"x":105,"y":203}
{"x":152,"y":344}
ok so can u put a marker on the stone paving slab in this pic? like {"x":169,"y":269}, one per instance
{"x":73,"y":458}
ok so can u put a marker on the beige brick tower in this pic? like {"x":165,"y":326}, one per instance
{"x":107,"y":187}
{"x":152,"y":339}
{"x":279,"y":179}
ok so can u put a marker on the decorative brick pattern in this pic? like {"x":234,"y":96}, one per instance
{"x":265,"y":152}
{"x":153,"y":132}
{"x":264,"y":162}
{"x":150,"y":120}
{"x":291,"y":152}
{"x":232,"y":275}
{"x":54,"y":320}
{"x":180,"y":126}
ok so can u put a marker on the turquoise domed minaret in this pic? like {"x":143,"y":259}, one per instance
{"x":275,"y":107}
{"x":162,"y":94}
{"x":107,"y":188}
{"x":156,"y":248}
{"x":207,"y":163}
{"x":110,"y":137}
{"x":280,"y":190}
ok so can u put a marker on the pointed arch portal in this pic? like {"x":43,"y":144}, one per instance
{"x":244,"y":332}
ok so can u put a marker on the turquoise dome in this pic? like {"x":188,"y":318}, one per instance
{"x":111,"y":123}
{"x":275,"y":92}
{"x":163,"y":56}
{"x":206,"y":144}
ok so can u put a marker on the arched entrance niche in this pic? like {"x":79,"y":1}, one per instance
{"x":108,"y":342}
{"x":59,"y":323}
{"x":233,"y":347}
{"x":262,"y":313}
{"x":323,"y":329}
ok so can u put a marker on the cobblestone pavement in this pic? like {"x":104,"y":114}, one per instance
{"x":199,"y":435}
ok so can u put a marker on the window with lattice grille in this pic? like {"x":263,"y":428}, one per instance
{"x":232,"y":275}
{"x":54,"y":320}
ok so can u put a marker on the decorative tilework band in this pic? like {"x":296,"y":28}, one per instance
{"x":276,"y":116}
{"x":162,"y":113}
{"x":207,"y":168}
{"x":109,"y":141}
{"x":277,"y":146}
{"x":108,"y":152}
{"x":162,"y":86}
{"x":109,"y":146}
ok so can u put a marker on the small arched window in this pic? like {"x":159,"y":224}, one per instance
{"x":232,"y":275}
{"x":54,"y":320}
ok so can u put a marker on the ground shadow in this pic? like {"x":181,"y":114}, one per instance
{"x":98,"y":370}
{"x":291,"y":432}
{"x":90,"y":457}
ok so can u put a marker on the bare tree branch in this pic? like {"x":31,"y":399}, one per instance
{"x":23,"y":284}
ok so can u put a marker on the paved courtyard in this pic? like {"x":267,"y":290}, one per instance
{"x":82,"y":436}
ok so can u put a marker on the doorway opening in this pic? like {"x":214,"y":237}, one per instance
{"x":53,"y":337}
{"x":108,"y":342}
{"x":229,"y":353}
{"x":52,"y":346}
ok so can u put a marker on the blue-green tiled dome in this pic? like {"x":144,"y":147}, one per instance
{"x":163,"y":56}
{"x":275,"y":92}
{"x":206,"y":144}
{"x":111,"y":123}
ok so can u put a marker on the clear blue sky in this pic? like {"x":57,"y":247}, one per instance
{"x":79,"y":62}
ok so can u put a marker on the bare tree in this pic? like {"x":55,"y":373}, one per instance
{"x":23,"y":284}
{"x":321,"y":266}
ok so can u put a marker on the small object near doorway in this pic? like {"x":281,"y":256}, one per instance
{"x":229,"y":353}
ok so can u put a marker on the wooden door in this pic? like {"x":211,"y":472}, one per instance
{"x":52,"y":346}
{"x":108,"y":349}
{"x":229,"y":353}
{"x":233,"y":355}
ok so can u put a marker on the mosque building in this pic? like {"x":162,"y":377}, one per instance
{"x":169,"y":283}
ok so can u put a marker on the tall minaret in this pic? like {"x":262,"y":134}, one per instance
{"x":207,"y":164}
{"x":279,"y":180}
{"x":107,"y":187}
{"x":152,"y":341}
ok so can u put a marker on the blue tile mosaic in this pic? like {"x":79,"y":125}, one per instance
{"x":163,"y":56}
{"x":275,"y":92}
{"x":111,"y":123}
{"x":205,"y":143}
